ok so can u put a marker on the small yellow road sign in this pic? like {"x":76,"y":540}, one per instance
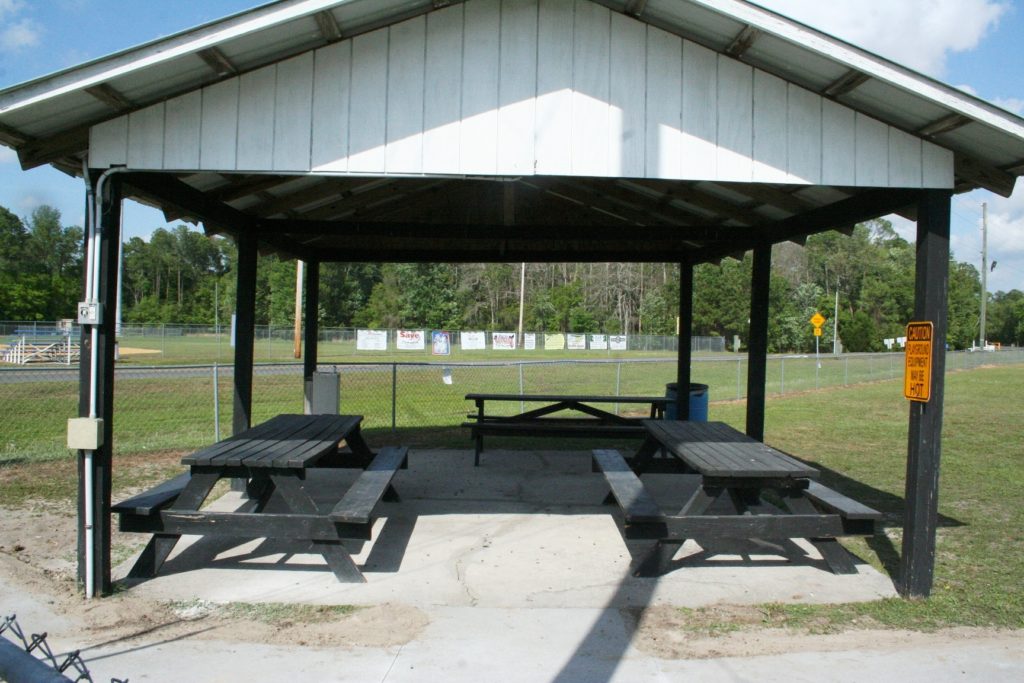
{"x":917,"y":378}
{"x":817,"y":320}
{"x":817,"y":331}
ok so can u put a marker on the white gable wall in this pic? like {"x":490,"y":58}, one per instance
{"x":514,"y":88}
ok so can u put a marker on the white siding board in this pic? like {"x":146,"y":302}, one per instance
{"x":936,"y":166}
{"x":406,"y":50}
{"x":838,"y":144}
{"x":368,"y":106}
{"x":627,"y":97}
{"x":770,"y":129}
{"x":442,"y":104}
{"x":478,"y":138}
{"x":554,"y":88}
{"x":108,"y":143}
{"x":146,"y":137}
{"x":219,"y":135}
{"x":904,"y":159}
{"x":804,"y":122}
{"x":331,"y":86}
{"x":182,"y":121}
{"x":256,"y":119}
{"x":664,"y":103}
{"x":700,"y":112}
{"x":872,"y":152}
{"x":735,"y":120}
{"x":293,"y":113}
{"x":590,"y":110}
{"x":517,"y":86}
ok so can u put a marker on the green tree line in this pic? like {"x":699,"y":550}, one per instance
{"x":183,"y":276}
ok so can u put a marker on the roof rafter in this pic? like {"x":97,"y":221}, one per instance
{"x":972,"y":171}
{"x":218,"y":61}
{"x":743,"y":41}
{"x":328,"y":26}
{"x":108,"y":95}
{"x":846,"y":83}
{"x":944,"y":125}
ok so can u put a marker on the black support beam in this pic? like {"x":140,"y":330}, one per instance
{"x":924,"y":442}
{"x":245,"y":322}
{"x":685,"y":339}
{"x":757,"y":345}
{"x":312,"y":327}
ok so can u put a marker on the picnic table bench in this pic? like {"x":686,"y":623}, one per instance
{"x":274,"y":458}
{"x":592,"y":421}
{"x":734,"y":471}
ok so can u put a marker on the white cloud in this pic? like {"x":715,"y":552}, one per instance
{"x":1014,"y":104}
{"x":19,"y":35}
{"x":917,"y":33}
{"x":10,"y":7}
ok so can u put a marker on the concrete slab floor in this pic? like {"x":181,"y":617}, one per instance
{"x":525,"y":529}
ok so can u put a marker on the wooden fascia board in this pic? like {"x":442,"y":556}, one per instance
{"x":574,"y":232}
{"x":190,"y":201}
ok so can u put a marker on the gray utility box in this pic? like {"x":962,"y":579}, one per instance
{"x":323,"y":394}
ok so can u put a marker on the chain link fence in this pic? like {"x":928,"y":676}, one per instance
{"x":186,"y":407}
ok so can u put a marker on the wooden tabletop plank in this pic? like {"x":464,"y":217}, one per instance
{"x":342,"y":428}
{"x":258,"y":445}
{"x":539,"y":398}
{"x":717,"y":450}
{"x":311,"y":433}
{"x":238,"y":441}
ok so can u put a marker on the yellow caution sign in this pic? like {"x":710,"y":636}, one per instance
{"x":917,"y":378}
{"x":817,"y":331}
{"x":817,"y":320}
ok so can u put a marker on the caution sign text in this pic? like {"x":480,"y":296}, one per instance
{"x":917,"y":379}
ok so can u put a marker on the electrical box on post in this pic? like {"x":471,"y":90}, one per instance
{"x":90,"y":313}
{"x":85,"y":433}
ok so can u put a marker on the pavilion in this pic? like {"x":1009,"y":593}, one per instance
{"x":679,"y":131}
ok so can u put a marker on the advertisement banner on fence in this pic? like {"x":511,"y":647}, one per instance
{"x":410,"y":340}
{"x":440,"y":343}
{"x":576,"y":342}
{"x":529,"y":341}
{"x":598,"y":342}
{"x":503,"y":341}
{"x":617,"y":342}
{"x":473,"y":341}
{"x":554,"y":342}
{"x":372,"y":340}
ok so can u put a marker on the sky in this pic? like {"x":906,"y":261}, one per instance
{"x":975,"y":45}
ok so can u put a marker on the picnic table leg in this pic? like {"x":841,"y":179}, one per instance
{"x":838,"y":558}
{"x":334,"y":553}
{"x":153,"y":556}
{"x":354,"y":440}
{"x":159,"y":547}
{"x":658,"y":559}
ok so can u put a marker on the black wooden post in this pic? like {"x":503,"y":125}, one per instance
{"x":924,"y":443}
{"x":312,"y":328}
{"x":757,"y":345}
{"x":245,"y":324}
{"x":685,"y":340}
{"x":100,"y":472}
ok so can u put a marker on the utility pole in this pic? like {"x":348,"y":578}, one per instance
{"x":835,"y":325}
{"x":984,"y":272}
{"x":298,"y":310}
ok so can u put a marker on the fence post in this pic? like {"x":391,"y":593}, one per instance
{"x":782,"y":376}
{"x":846,"y":371}
{"x":522,"y":408}
{"x":618,"y":384}
{"x":739,"y":370}
{"x":394,"y":395}
{"x":216,"y":403}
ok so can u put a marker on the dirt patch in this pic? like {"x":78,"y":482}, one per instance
{"x":670,"y":633}
{"x":37,"y":555}
{"x":132,"y":351}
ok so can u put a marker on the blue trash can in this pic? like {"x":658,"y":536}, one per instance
{"x":698,"y":402}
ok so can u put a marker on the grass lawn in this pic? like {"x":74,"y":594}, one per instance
{"x":856,"y":435}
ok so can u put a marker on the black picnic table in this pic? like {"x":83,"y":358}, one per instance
{"x":273,"y":458}
{"x":734,"y":472}
{"x":542,"y":420}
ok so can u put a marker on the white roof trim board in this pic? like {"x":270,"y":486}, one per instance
{"x":47,"y":119}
